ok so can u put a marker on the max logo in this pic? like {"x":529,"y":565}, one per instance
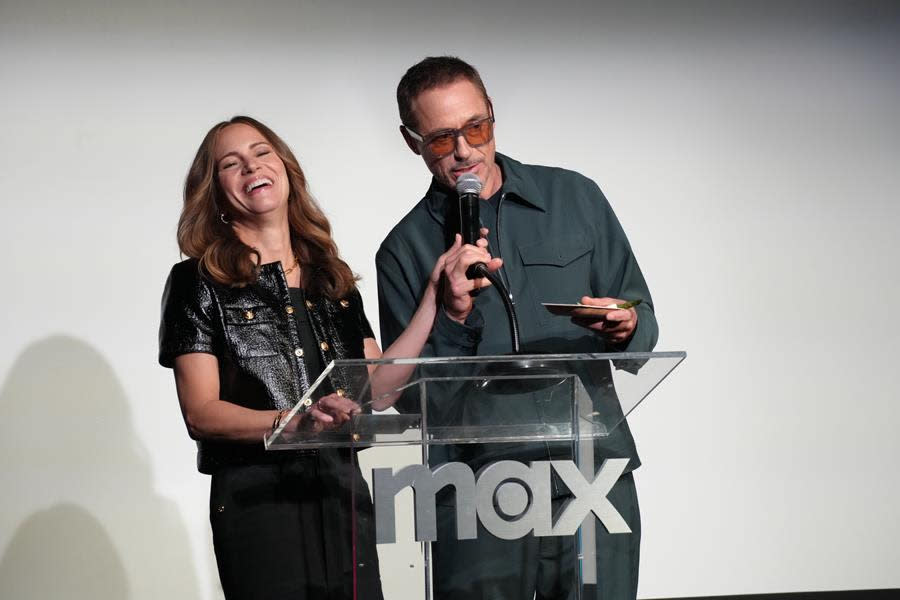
{"x":510,"y":498}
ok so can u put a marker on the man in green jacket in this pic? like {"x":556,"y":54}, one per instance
{"x":552,"y":237}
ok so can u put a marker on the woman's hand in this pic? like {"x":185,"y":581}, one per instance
{"x":328,"y":412}
{"x":448,"y":273}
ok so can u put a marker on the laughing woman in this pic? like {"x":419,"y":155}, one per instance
{"x":254,"y":314}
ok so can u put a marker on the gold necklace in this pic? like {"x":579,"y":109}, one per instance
{"x":296,"y":264}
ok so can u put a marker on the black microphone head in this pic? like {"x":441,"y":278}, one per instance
{"x":468,"y":183}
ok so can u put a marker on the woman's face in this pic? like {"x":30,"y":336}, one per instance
{"x":250,"y":173}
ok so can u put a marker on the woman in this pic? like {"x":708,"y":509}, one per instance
{"x":249,"y":320}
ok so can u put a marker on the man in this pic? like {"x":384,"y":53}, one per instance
{"x":552,"y":237}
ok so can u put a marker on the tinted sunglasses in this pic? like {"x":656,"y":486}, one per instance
{"x":443,"y":142}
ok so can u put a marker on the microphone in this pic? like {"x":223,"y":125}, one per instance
{"x":468,"y":187}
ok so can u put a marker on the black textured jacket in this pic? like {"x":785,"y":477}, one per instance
{"x":252,"y":331}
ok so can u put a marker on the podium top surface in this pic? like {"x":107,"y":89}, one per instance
{"x":478,"y":399}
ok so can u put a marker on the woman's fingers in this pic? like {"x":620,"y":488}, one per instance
{"x":334,"y":409}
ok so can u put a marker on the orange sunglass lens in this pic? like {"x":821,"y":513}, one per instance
{"x":442,"y":144}
{"x":478,"y":133}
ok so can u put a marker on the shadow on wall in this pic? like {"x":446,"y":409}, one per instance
{"x":68,"y":444}
{"x":62,"y":552}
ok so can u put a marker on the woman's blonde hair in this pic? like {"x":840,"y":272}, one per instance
{"x":202,"y":233}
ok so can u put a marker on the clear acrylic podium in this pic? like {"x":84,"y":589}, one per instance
{"x":466,"y":452}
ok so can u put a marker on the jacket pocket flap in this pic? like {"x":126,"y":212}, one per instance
{"x":248,"y":315}
{"x":555,"y":252}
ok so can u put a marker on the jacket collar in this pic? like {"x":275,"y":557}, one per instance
{"x":271,"y":282}
{"x":517,"y":184}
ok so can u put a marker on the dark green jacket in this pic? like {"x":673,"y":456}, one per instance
{"x":559,"y":240}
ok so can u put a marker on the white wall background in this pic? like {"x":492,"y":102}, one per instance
{"x":751,"y":151}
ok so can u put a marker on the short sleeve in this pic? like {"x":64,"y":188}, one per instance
{"x":187,"y":322}
{"x":364,"y":326}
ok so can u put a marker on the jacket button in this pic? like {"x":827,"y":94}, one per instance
{"x":289,"y":310}
{"x":298,"y":352}
{"x":345,"y":303}
{"x":324,"y":346}
{"x":309,"y":305}
{"x":249,"y":315}
{"x":340,"y":392}
{"x":220,"y":509}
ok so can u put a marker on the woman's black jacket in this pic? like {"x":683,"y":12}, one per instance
{"x":252,"y":331}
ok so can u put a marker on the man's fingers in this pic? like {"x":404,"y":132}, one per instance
{"x":588,"y":314}
{"x":463,"y":286}
{"x":481,"y":282}
{"x":602,"y":325}
{"x":615,"y":325}
{"x":595,"y":324}
{"x":604,"y":301}
{"x":619,"y":316}
{"x":458,"y":264}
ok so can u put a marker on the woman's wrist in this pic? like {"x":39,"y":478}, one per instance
{"x":279,"y":419}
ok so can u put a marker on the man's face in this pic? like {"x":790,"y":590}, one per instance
{"x":454,"y":106}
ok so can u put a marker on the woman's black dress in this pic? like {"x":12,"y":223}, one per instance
{"x":283,"y":526}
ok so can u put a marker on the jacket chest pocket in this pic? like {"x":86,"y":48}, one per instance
{"x":558,"y":270}
{"x":251,"y":330}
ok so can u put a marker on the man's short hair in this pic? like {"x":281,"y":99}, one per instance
{"x":432,"y":72}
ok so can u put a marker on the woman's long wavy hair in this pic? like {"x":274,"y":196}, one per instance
{"x":202,"y":233}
